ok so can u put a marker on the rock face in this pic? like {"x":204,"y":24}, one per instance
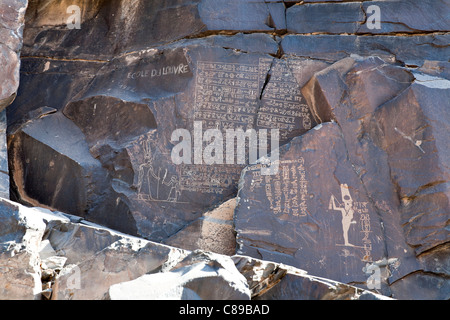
{"x":305,"y":135}
{"x":51,"y":255}
{"x":354,"y":18}
{"x":359,"y":176}
{"x":19,"y":257}
{"x":197,"y":277}
{"x":148,"y":95}
{"x":12,"y":21}
{"x":214,"y":231}
{"x":11,"y":28}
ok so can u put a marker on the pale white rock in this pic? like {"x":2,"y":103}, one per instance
{"x":200,"y":276}
{"x":21,"y":233}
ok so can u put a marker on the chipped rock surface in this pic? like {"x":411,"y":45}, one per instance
{"x":51,"y":255}
{"x":12,"y":20}
{"x":269,"y":149}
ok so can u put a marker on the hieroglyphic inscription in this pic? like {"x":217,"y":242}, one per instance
{"x":363,"y":210}
{"x":226,"y":94}
{"x":226,"y":97}
{"x":287,"y":191}
{"x":283,"y":107}
{"x":208,"y":179}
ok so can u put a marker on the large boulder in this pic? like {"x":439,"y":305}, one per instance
{"x":388,"y":173}
{"x":53,"y":255}
{"x":213,"y":232}
{"x":200,"y":276}
{"x":398,"y":158}
{"x":314,"y":213}
{"x":12,"y":20}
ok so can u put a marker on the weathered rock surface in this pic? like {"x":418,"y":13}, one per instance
{"x":361,"y":194}
{"x":271,"y":281}
{"x":389,"y":181}
{"x":147,"y":95}
{"x":335,"y":93}
{"x":11,"y":28}
{"x":129,"y":26}
{"x":19,"y":259}
{"x":200,"y":276}
{"x":343,"y":93}
{"x":314,"y":213}
{"x":352,"y":17}
{"x":411,"y":50}
{"x":12,"y":20}
{"x":214,"y":231}
{"x":4,"y":177}
{"x":415,"y":133}
{"x":51,"y":255}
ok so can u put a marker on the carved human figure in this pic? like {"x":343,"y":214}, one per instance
{"x":174,"y":192}
{"x":346,"y":210}
{"x":148,"y":181}
{"x":155,"y":185}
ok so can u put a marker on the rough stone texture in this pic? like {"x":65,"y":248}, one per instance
{"x":20,"y":240}
{"x":214,"y":232}
{"x":344,"y":93}
{"x":402,"y":204}
{"x":411,"y":50}
{"x":52,"y":255}
{"x":295,"y":217}
{"x":363,"y":132}
{"x":415,"y":135}
{"x":12,"y":14}
{"x":342,"y":18}
{"x":414,"y":205}
{"x":4,"y":177}
{"x":123,"y":260}
{"x":200,"y":276}
{"x":157,"y":91}
{"x":46,"y":253}
{"x":271,"y":281}
{"x":350,"y":17}
{"x":131,"y":20}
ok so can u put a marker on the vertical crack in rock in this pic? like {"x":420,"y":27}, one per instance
{"x":266,"y":80}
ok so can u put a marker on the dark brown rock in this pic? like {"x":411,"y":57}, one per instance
{"x":410,"y":50}
{"x":134,"y":103}
{"x":342,"y":93}
{"x":123,"y":26}
{"x":213,"y":232}
{"x":410,"y":16}
{"x":361,"y":193}
{"x":418,"y":154}
{"x":48,"y":158}
{"x":325,"y":17}
{"x":314,"y":213}
{"x":345,"y":93}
